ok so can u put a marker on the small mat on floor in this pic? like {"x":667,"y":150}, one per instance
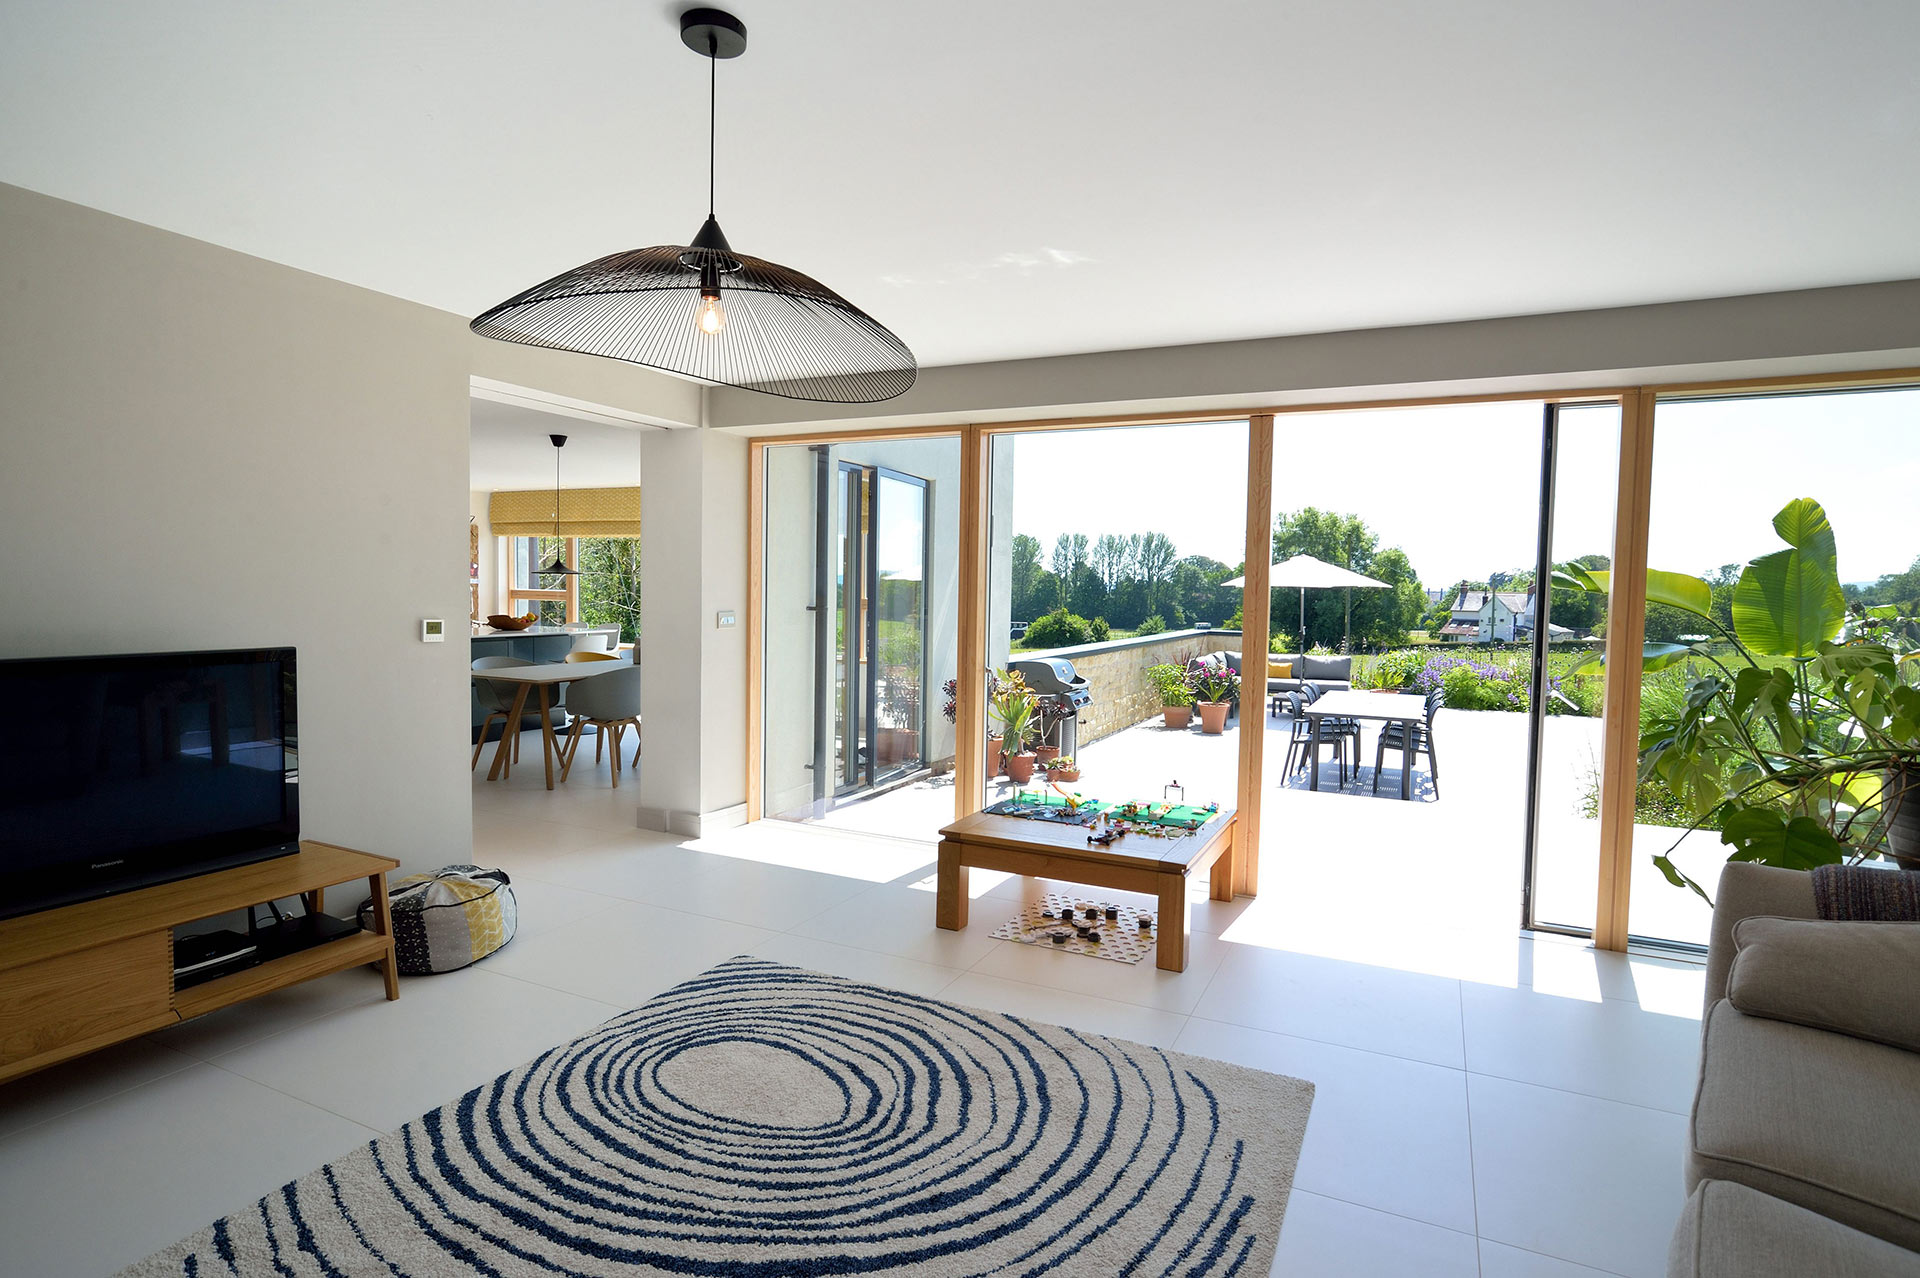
{"x":1062,"y":923}
{"x":764,"y":1121}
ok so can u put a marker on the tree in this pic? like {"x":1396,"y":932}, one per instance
{"x":1069,"y":552}
{"x":610,"y":584}
{"x":1088,"y":598}
{"x":1153,"y":558}
{"x":1025,"y":572}
{"x":1110,"y":556}
{"x":1379,"y":616}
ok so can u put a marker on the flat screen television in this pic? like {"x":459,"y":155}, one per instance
{"x":121,"y":772}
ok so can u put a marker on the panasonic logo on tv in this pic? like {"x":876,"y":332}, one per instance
{"x":105,"y":865}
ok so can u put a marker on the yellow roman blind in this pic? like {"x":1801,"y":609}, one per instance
{"x":584,"y":512}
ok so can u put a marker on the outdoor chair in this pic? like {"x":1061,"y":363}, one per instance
{"x":1300,"y":744}
{"x":1393,"y":737}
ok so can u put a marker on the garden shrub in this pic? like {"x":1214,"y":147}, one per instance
{"x":1100,"y":630}
{"x":1059,"y":629}
{"x":1151,"y":626}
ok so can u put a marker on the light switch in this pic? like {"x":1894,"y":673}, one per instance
{"x":723,"y":620}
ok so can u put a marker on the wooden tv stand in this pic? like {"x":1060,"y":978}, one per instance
{"x":86,"y":976}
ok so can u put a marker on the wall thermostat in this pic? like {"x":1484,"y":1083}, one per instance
{"x":433,"y":630}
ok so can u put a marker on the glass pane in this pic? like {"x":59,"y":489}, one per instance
{"x":1566,"y":857}
{"x":1722,"y":469}
{"x":1109,"y":549}
{"x":861,"y":633}
{"x":610,"y":584}
{"x":1416,"y":794}
{"x":850,"y":651}
{"x":900,"y":561}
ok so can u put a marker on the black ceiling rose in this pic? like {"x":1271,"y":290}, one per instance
{"x":705,"y":311}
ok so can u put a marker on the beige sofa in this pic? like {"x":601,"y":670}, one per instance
{"x":1803,"y":1153}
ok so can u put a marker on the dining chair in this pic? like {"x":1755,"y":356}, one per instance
{"x":610,"y":702}
{"x":1301,"y":745}
{"x":497,"y":700}
{"x":1393,"y":736}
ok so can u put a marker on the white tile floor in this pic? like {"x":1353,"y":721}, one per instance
{"x":1524,"y":1122}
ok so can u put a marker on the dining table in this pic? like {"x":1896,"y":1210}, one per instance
{"x":541,"y":678}
{"x":1404,"y":708}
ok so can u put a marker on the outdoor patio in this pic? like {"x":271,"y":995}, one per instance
{"x":1430,"y":884}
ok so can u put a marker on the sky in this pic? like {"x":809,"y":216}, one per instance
{"x":1457,"y":486}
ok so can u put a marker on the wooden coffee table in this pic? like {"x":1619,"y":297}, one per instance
{"x":1134,"y":863}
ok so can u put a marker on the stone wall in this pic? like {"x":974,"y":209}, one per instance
{"x":1116,"y":672}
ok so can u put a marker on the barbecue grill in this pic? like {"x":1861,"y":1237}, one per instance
{"x":1054,"y":680}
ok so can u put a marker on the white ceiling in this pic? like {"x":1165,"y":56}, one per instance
{"x":510,"y":450}
{"x":998,"y":179}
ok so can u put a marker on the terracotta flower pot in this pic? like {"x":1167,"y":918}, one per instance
{"x":1064,"y":775}
{"x":996,"y":757}
{"x":1213,"y":717}
{"x":1177,"y":716}
{"x":1046,"y":753}
{"x":1020,"y":768}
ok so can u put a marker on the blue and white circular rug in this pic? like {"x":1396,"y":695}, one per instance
{"x":765,"y":1122}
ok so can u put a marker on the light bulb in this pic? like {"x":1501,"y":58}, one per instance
{"x":712,"y":316}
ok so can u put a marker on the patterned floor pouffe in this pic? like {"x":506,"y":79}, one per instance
{"x":449,"y":919}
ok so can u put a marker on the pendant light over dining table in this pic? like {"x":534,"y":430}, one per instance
{"x":558,"y":568}
{"x":704,"y":311}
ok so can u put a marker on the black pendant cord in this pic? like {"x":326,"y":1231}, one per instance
{"x":713,"y":100}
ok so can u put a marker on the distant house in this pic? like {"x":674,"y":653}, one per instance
{"x":1489,"y":616}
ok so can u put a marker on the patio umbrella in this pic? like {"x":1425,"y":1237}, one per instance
{"x":1304,"y":572}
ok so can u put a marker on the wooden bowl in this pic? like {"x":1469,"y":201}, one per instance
{"x":500,"y":621}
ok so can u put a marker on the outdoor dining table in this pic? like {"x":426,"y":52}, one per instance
{"x":548,"y":675}
{"x":1402,"y":708}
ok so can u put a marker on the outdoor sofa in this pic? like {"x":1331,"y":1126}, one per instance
{"x":1331,"y":674}
{"x":1803,"y":1151}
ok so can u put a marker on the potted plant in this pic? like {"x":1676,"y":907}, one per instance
{"x":1800,"y":731}
{"x":1176,"y":695}
{"x":1063,"y":770}
{"x":1213,"y":688}
{"x":1018,"y":709}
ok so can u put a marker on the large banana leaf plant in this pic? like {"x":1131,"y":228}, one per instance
{"x":1800,"y":734}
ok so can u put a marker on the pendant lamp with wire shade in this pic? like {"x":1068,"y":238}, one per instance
{"x":558,"y":568}
{"x":704,"y":311}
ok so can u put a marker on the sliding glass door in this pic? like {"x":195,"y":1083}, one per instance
{"x":878,"y":671}
{"x":859,"y":633}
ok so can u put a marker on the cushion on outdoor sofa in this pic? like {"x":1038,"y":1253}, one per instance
{"x":1328,"y":669}
{"x":1822,"y":1120}
{"x":1277,"y":669}
{"x":1850,"y":978}
{"x":1731,"y":1231}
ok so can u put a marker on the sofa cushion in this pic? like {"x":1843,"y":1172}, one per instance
{"x":1851,"y":978}
{"x":1278,"y":669}
{"x":1321,"y":669}
{"x":1731,"y":1231}
{"x":1822,"y":1120}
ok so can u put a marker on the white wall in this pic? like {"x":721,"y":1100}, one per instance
{"x":200,"y":449}
{"x":693,"y":563}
